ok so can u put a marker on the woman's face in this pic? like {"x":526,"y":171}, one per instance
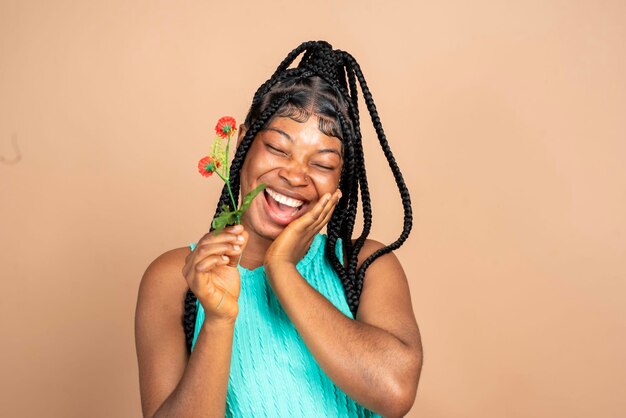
{"x":298,"y":163}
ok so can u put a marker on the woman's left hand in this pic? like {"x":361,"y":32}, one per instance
{"x":294,"y":241}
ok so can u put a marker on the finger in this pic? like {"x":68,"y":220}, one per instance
{"x":228,"y":249}
{"x":209,"y":239}
{"x":327,"y":211}
{"x":234,"y":229}
{"x":325,"y":217}
{"x":201,"y":282}
{"x":317,"y":210}
{"x":227,"y":235}
{"x":246,"y":236}
{"x":211,"y":261}
{"x":239,"y":246}
{"x":202,"y":251}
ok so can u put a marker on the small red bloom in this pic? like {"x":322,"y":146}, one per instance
{"x":207,"y":165}
{"x":225,"y":126}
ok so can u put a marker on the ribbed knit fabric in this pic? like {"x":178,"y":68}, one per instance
{"x":272,"y":372}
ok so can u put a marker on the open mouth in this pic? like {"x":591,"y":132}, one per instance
{"x":282,"y":209}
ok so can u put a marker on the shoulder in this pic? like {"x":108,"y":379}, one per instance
{"x":385,"y":299}
{"x":163,"y":283}
{"x":167,"y":267}
{"x":370,"y":246}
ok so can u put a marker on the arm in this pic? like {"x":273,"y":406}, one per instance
{"x":172,"y":382}
{"x":375,"y":359}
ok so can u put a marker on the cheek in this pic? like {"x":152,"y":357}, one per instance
{"x":261,"y":161}
{"x":327,"y":183}
{"x":253,"y":172}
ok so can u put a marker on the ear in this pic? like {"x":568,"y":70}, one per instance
{"x":242,"y":133}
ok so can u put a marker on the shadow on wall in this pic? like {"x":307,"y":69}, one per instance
{"x":18,"y":154}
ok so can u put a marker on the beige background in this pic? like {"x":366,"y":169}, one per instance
{"x":507,"y":119}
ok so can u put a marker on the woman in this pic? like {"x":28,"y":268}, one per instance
{"x":278,"y":318}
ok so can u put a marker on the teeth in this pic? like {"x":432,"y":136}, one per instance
{"x":294,"y":203}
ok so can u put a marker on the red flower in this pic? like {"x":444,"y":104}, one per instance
{"x":225,"y":126}
{"x":207,"y":165}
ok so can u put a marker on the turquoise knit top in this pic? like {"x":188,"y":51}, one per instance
{"x":272,"y":372}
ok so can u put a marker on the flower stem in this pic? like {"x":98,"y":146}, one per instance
{"x":232,"y":198}
{"x":227,"y":180}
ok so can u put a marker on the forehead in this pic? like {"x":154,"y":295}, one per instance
{"x":303,"y":133}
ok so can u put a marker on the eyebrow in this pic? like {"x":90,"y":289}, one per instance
{"x":286,"y":135}
{"x":283,"y":133}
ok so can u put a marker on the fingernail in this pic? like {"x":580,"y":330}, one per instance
{"x":236,"y":247}
{"x":327,"y":198}
{"x":240,"y":238}
{"x":224,"y":258}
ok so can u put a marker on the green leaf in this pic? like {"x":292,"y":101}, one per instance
{"x":231,"y":217}
{"x":249,"y":197}
{"x":225,"y":218}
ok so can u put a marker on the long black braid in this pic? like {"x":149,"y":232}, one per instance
{"x":324,"y":83}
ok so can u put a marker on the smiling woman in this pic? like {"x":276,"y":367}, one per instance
{"x":298,"y":162}
{"x":278,"y":318}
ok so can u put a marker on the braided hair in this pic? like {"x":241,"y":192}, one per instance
{"x":324,"y":83}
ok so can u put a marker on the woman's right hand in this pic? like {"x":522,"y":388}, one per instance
{"x":211,"y":272}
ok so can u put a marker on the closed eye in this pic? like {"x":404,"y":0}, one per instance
{"x":275,"y":150}
{"x":324,"y":167}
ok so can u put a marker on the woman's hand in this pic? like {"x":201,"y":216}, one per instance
{"x":211,"y":272}
{"x":293,"y":242}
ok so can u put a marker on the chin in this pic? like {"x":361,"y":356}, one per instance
{"x":262,"y":228}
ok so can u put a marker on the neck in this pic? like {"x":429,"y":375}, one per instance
{"x":257,"y":246}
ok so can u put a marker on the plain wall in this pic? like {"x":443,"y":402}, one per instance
{"x":506,"y":118}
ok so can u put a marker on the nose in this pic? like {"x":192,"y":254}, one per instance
{"x":294,"y":174}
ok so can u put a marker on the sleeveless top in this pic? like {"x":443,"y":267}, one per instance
{"x":272,"y":372}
